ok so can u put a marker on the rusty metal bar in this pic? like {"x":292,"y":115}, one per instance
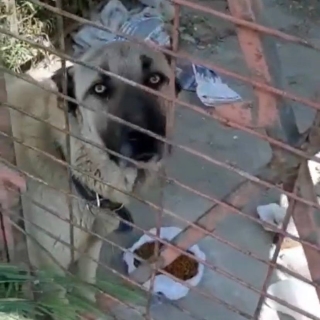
{"x":307,"y":222}
{"x":185,"y":187}
{"x":183,"y":55}
{"x":198,"y":227}
{"x":224,"y":121}
{"x":170,"y":111}
{"x":254,"y":26}
{"x":228,"y":109}
{"x":6,"y":232}
{"x":58,"y":263}
{"x":204,"y":294}
{"x":189,"y":236}
{"x":7,"y":237}
{"x":198,"y":7}
{"x":277,"y":143}
{"x":261,"y":179}
{"x":224,"y":273}
{"x":64,"y":85}
{"x":131,"y":281}
{"x":170,"y":245}
{"x":275,"y":115}
{"x":291,"y":186}
{"x":272,"y":113}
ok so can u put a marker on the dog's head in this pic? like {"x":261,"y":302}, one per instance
{"x":102,"y":94}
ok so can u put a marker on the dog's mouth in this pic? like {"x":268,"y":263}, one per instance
{"x":140,"y":148}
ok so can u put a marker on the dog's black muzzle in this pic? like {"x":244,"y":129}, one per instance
{"x":95,"y":200}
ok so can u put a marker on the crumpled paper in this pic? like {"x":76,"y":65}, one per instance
{"x":149,"y":22}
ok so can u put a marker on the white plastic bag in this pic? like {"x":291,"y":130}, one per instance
{"x":275,"y":214}
{"x":170,"y":288}
{"x":297,"y":293}
{"x":289,"y":289}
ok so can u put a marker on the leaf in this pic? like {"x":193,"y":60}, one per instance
{"x":12,"y":299}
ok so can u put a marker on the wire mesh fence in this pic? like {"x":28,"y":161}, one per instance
{"x":222,"y":219}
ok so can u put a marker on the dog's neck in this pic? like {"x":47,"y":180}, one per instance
{"x":94,"y":199}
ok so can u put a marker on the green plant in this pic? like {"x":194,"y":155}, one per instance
{"x":31,"y":21}
{"x":35,"y":23}
{"x":14,"y":300}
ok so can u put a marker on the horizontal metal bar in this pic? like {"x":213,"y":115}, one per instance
{"x":240,"y":22}
{"x":242,"y":173}
{"x":220,"y":115}
{"x":136,"y":283}
{"x":180,"y":54}
{"x":223,"y":204}
{"x":190,"y":236}
{"x":247,"y":24}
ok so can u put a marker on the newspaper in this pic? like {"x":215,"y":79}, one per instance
{"x":148,"y":23}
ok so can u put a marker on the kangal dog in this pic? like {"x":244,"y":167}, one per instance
{"x":95,"y":206}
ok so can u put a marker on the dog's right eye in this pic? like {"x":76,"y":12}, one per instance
{"x":100,"y":88}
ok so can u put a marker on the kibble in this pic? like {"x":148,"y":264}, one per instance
{"x":183,"y":268}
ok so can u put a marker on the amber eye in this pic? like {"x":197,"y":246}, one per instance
{"x":100,"y":88}
{"x":154,"y":79}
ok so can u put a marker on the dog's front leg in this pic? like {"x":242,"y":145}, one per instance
{"x":88,"y":261}
{"x":87,"y":266}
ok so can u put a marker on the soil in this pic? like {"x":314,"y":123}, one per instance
{"x":204,"y":31}
{"x":302,"y":8}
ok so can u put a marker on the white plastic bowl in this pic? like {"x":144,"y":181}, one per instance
{"x":170,"y":288}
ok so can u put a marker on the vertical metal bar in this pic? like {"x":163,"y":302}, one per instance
{"x":15,"y":242}
{"x":11,"y":9}
{"x":260,"y":53}
{"x":60,"y":26}
{"x":290,"y":186}
{"x":170,"y":111}
{"x":190,"y":235}
{"x":7,"y":151}
{"x":272,"y":113}
{"x":307,"y":223}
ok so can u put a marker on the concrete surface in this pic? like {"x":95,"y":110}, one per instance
{"x":300,"y":69}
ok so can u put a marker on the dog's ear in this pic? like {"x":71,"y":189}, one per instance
{"x":58,"y":80}
{"x":177,"y":83}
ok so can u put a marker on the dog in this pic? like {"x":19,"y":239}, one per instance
{"x":96,"y":206}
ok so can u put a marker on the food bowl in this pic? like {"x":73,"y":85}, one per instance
{"x":184,"y":268}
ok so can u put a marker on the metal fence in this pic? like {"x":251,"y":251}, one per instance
{"x":269,"y":117}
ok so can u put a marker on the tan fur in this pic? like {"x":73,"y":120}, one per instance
{"x":122,"y":59}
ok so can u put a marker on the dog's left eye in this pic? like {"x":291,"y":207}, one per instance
{"x":100,"y":88}
{"x":155,"y":80}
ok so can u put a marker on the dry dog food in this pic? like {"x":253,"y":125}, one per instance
{"x":183,"y":267}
